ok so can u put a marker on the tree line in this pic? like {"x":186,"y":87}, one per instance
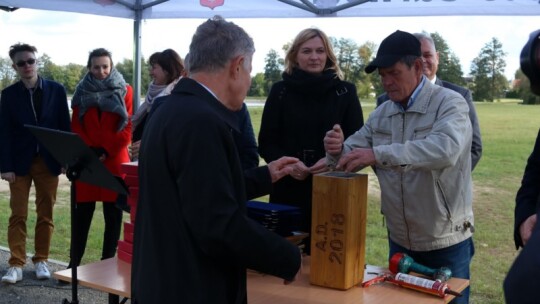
{"x":69,"y":75}
{"x":486,"y":79}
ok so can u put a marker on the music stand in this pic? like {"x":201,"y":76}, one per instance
{"x":82,"y":164}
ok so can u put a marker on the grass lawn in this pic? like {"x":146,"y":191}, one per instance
{"x":508,"y":133}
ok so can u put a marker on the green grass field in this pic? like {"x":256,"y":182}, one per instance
{"x":508,"y":133}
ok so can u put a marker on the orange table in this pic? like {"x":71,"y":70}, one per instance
{"x":110,"y":275}
{"x":114,"y":276}
{"x":265,"y":289}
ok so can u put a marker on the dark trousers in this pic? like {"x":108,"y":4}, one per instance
{"x":456,"y":257}
{"x":111,"y":234}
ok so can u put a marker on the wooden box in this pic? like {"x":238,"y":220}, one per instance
{"x":125,"y":246}
{"x":129,"y":227}
{"x":125,"y":256}
{"x":128,"y":232}
{"x":128,"y":237}
{"x":131,"y":180}
{"x":131,"y":168}
{"x":338,"y":231}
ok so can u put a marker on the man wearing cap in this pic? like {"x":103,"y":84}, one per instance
{"x":430,"y":57}
{"x":420,"y":147}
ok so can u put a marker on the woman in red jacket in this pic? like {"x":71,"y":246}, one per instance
{"x":102,"y":106}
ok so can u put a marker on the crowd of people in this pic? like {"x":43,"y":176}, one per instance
{"x":193,"y":133}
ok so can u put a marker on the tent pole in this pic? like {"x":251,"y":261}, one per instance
{"x":138,"y":9}
{"x":137,"y":55}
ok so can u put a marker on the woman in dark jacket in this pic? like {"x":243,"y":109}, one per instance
{"x":299,"y":110}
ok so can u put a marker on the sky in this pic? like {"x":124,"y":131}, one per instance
{"x":69,"y":37}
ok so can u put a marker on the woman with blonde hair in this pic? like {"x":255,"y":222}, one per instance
{"x":310,"y":100}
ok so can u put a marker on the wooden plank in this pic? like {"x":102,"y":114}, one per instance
{"x":265,"y":289}
{"x":114,"y":276}
{"x":110,"y":275}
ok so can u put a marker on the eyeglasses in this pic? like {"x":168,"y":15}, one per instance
{"x":23,"y":63}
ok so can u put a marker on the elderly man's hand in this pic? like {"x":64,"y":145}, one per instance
{"x":282,"y":167}
{"x":333,"y":140}
{"x":356,"y":159}
{"x":319,"y":167}
{"x":300,"y":171}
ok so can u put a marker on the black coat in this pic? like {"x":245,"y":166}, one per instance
{"x":193,"y":240}
{"x":297,"y":114}
{"x":522,"y":281}
{"x":245,"y":140}
{"x":529,"y":193}
{"x":257,"y":179}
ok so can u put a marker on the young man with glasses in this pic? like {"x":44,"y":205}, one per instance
{"x":23,"y":160}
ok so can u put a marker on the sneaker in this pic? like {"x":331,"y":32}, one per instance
{"x":13,"y":275}
{"x":42,"y":271}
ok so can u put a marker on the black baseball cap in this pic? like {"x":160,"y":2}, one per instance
{"x":394,"y":47}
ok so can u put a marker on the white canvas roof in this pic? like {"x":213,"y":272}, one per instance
{"x":170,"y":9}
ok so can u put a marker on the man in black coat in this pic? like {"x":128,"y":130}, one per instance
{"x":431,"y":65}
{"x":521,"y":284}
{"x":193,"y":240}
{"x":527,"y":198}
{"x":522,"y":281}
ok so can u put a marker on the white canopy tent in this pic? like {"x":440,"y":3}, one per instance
{"x":139,"y":10}
{"x":169,"y":9}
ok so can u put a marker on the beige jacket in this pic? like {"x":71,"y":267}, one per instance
{"x":423,"y":166}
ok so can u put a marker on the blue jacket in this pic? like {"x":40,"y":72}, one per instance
{"x":17,"y":144}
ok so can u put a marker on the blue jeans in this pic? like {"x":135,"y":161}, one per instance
{"x":456,"y":257}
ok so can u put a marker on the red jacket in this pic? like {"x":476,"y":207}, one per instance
{"x":100,"y":131}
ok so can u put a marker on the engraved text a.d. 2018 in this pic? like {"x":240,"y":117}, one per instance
{"x":333,"y":231}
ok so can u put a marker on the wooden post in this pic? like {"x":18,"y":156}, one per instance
{"x":338,"y":231}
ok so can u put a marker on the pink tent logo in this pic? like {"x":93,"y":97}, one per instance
{"x":212,"y":3}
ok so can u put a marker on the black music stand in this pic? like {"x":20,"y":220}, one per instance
{"x":82,"y":164}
